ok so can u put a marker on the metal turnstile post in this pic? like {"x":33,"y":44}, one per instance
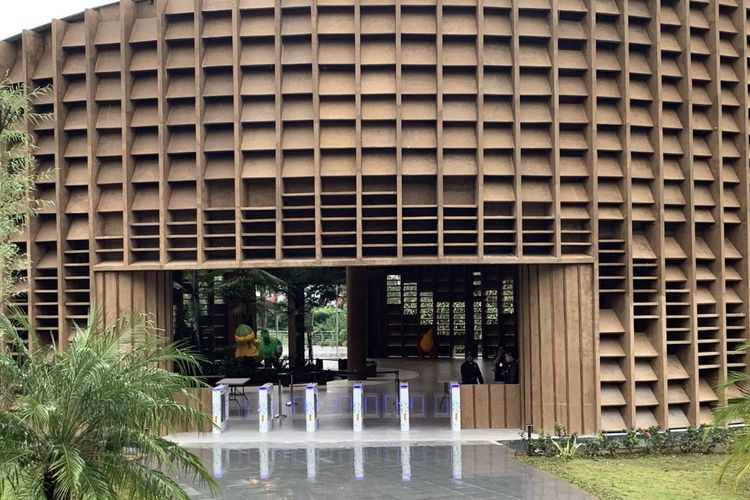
{"x":455,"y":406}
{"x":403,"y":405}
{"x":357,"y":407}
{"x":264,"y":407}
{"x":311,"y":407}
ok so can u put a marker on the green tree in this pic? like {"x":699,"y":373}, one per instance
{"x":325,"y":321}
{"x":737,"y":409}
{"x":84,"y":422}
{"x":18,"y":176}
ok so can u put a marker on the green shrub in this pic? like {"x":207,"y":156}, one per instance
{"x":705,"y":439}
{"x":691,"y":441}
{"x":717,"y":437}
{"x":567,"y":447}
{"x":613,"y":446}
{"x":658,"y":441}
{"x":560,"y":430}
{"x":542,"y":444}
{"x":631,"y":440}
{"x":595,"y":446}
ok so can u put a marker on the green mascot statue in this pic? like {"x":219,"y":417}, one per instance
{"x":270,"y":348}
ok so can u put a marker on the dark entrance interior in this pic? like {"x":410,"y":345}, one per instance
{"x":464,"y":306}
{"x":472,"y":306}
{"x":208,"y":306}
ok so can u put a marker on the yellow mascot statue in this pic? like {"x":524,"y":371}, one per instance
{"x":247,"y":342}
{"x":426,"y":346}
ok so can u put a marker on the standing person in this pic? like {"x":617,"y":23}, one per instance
{"x":499,"y":364}
{"x":470,"y":373}
{"x":510,"y":375}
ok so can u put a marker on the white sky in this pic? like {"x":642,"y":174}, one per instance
{"x":18,"y":15}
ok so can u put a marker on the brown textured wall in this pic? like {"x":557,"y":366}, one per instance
{"x":273,"y":133}
{"x":558,"y":347}
{"x":119,"y":293}
{"x":491,"y":406}
{"x":218,"y":133}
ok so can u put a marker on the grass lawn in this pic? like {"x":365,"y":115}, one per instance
{"x":651,"y":476}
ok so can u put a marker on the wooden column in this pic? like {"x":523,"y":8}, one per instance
{"x":117,"y":293}
{"x":376,"y":313}
{"x":356,"y":319}
{"x":558,"y":347}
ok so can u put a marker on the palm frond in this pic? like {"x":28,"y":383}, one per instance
{"x":54,"y":437}
{"x":737,"y":409}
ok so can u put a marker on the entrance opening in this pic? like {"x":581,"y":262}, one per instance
{"x":410,"y":324}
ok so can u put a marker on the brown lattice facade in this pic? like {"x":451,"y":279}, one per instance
{"x":194,"y":134}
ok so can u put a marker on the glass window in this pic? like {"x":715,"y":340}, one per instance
{"x":393,"y":286}
{"x":410,"y":299}
{"x":425,"y":308}
{"x":443,"y":311}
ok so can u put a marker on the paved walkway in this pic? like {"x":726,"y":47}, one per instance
{"x":429,"y":461}
{"x":376,"y":472}
{"x":371,"y":436}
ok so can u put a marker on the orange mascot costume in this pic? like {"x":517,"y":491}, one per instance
{"x":247,"y":342}
{"x":426,"y":345}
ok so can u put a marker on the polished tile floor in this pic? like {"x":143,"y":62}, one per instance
{"x":429,"y":461}
{"x":429,"y":409}
{"x":402,"y":471}
{"x":427,"y":381}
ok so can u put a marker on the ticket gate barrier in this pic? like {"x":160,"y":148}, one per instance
{"x":403,"y":405}
{"x":220,"y":408}
{"x":264,"y":407}
{"x":311,"y":407}
{"x":455,"y":406}
{"x":357,"y":410}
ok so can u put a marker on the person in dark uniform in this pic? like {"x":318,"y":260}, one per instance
{"x":510,"y":368}
{"x":470,"y":373}
{"x":499,"y":364}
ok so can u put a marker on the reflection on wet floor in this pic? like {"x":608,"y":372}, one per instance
{"x":400,"y":471}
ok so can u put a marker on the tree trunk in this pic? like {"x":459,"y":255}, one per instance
{"x":356,"y":321}
{"x":252,"y":310}
{"x":296,"y":318}
{"x":49,"y":486}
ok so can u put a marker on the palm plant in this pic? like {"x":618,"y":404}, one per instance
{"x":736,"y":410}
{"x":84,"y":422}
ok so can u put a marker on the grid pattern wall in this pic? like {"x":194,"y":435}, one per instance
{"x":229,"y":133}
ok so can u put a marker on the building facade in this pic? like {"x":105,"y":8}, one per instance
{"x":599,"y":145}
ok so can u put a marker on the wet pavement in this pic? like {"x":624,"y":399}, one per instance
{"x":402,"y":470}
{"x":381,"y":462}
